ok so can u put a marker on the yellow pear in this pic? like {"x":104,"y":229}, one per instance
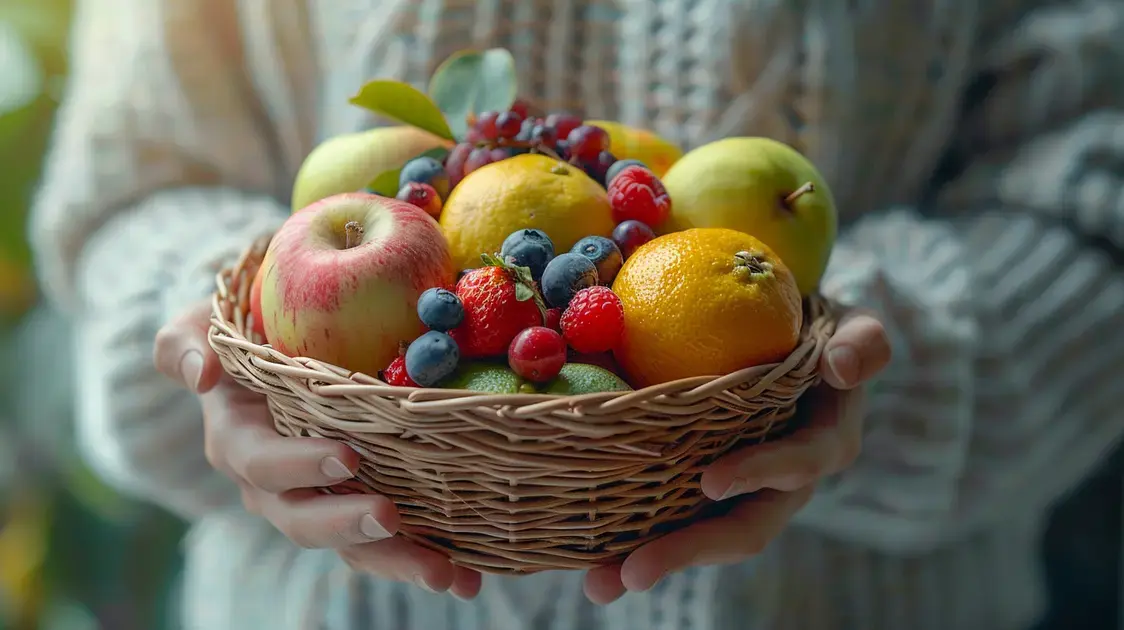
{"x":761,"y":187}
{"x":348,"y":162}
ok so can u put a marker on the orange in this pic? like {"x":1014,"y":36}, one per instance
{"x":525,"y":191}
{"x":704,"y":302}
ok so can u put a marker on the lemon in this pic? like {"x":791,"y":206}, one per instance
{"x":632,"y":143}
{"x":525,"y":191}
{"x":704,"y":302}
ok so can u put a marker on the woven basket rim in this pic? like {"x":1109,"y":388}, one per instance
{"x":337,"y":379}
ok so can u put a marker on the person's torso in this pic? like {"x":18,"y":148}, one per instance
{"x":868,"y":90}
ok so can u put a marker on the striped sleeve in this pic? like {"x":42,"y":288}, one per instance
{"x":1005,"y":301}
{"x":159,"y":169}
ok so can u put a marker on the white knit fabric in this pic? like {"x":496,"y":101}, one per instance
{"x":186,"y":121}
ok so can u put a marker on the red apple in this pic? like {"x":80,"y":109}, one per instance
{"x":343,"y":276}
{"x":255,"y":302}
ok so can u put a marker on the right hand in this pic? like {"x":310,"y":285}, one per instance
{"x":278,"y":475}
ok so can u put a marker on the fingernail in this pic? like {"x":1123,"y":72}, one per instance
{"x":420,"y":582}
{"x":739,"y":487}
{"x":372,"y":529}
{"x":844,"y":364}
{"x":191,"y":369}
{"x":334,"y":469}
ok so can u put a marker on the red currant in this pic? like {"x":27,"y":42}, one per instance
{"x":423,"y":196}
{"x":636,"y":193}
{"x":544,"y":136}
{"x":594,"y":320}
{"x":537,"y":354}
{"x":480,"y":156}
{"x":486,"y":125}
{"x":508,"y":125}
{"x":587,"y":141}
{"x":598,"y":169}
{"x":455,"y":162}
{"x":563,"y":124}
{"x":629,"y":235}
{"x":521,"y":107}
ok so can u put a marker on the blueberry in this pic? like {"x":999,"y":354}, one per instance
{"x":425,"y":170}
{"x":604,"y":254}
{"x":440,"y":309}
{"x":528,"y":248}
{"x":566,"y":275}
{"x":432,"y":358}
{"x":619,"y":166}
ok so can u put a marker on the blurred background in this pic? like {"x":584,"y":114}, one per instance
{"x":73,"y":555}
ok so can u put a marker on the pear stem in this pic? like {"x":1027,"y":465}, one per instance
{"x":353,"y":234}
{"x":798,"y":193}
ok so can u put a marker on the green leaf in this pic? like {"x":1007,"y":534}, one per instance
{"x":523,"y":292}
{"x":473,"y":82}
{"x":386,"y":183}
{"x":403,"y":103}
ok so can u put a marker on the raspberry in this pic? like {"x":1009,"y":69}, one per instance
{"x":395,"y":374}
{"x":637,"y":194}
{"x":594,"y":321}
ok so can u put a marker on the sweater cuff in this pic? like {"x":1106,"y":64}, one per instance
{"x":201,"y":260}
{"x":141,"y":431}
{"x":917,"y":425}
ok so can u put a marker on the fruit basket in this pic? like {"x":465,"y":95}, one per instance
{"x":519,"y":483}
{"x":472,"y":310}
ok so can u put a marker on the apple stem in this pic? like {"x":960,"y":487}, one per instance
{"x":354,"y":234}
{"x":798,"y":193}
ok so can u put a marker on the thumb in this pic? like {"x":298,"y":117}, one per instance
{"x":183,"y":353}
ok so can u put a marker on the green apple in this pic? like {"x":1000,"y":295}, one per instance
{"x":349,"y":162}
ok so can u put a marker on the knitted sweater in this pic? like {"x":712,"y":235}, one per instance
{"x":976,"y":151}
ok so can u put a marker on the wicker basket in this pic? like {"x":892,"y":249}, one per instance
{"x":526,"y":482}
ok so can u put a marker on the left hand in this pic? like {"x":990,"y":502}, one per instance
{"x":779,"y":477}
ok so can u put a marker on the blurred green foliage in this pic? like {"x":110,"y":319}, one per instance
{"x":73,"y":554}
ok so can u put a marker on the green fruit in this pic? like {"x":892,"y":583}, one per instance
{"x":491,"y":378}
{"x":580,"y":378}
{"x":347,"y":163}
{"x":763,"y":188}
{"x":574,"y":379}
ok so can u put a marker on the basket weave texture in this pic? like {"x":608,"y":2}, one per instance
{"x":525,"y":482}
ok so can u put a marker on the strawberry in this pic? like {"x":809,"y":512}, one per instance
{"x":395,"y":374}
{"x":500,"y":300}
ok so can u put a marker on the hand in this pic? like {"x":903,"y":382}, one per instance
{"x":278,"y":475}
{"x":779,"y":477}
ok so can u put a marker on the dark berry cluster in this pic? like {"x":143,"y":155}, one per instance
{"x":494,"y":136}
